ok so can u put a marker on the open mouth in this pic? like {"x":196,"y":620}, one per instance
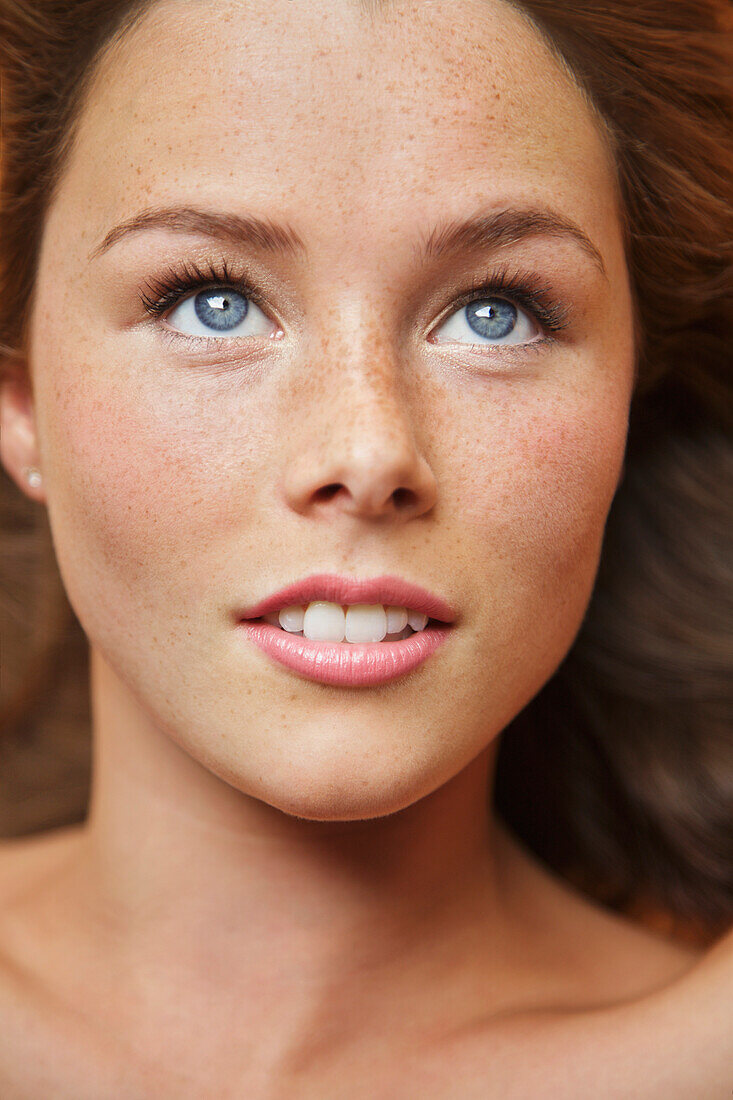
{"x":333,"y":629}
{"x":395,"y":636}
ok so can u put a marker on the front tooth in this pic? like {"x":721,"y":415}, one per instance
{"x":291,"y":618}
{"x":365,"y":622}
{"x":324,"y":622}
{"x":396,"y":619}
{"x":417,"y":620}
{"x":328,"y":622}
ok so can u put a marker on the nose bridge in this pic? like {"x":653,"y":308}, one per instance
{"x":368,"y":385}
{"x":351,"y":355}
{"x":356,"y":446}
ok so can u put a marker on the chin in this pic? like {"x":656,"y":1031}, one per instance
{"x":342,"y":807}
{"x":329,"y":794}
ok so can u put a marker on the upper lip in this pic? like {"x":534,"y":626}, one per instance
{"x":388,"y":590}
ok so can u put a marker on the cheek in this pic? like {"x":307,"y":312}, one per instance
{"x":143,"y":485}
{"x":565,"y":472}
{"x":539,"y":502}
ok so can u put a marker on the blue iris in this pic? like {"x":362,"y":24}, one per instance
{"x":491,"y":317}
{"x":221,"y":308}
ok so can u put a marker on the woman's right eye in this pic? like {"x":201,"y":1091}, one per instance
{"x":220,"y":312}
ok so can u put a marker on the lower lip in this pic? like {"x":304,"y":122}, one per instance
{"x":346,"y":664}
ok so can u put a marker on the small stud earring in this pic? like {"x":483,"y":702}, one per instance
{"x":32,"y":476}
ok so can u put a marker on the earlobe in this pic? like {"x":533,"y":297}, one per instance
{"x":18,"y":439}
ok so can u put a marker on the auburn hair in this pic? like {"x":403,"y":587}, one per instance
{"x":619,"y":773}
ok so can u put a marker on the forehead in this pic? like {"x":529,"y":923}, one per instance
{"x":320,"y":108}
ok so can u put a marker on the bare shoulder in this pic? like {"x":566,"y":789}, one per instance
{"x":26,"y":865}
{"x":638,"y":1015}
{"x":629,"y":1009}
{"x":43,"y":1048}
{"x":600,"y":957}
{"x":675,"y":1041}
{"x":625,"y":958}
{"x":24,"y":859}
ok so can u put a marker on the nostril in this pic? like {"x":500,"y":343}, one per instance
{"x":404,"y":496}
{"x":327,"y":492}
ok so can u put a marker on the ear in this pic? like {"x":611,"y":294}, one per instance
{"x":19,"y":452}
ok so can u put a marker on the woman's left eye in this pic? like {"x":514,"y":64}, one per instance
{"x":488,"y":321}
{"x":219,"y":312}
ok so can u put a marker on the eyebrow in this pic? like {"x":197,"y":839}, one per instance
{"x":258,"y":233}
{"x":493,"y":229}
{"x":506,"y":226}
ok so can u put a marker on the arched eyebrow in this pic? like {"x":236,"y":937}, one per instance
{"x":503,"y":227}
{"x":477,"y":233}
{"x":258,"y":233}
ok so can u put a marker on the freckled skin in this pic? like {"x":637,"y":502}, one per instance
{"x":179,"y":487}
{"x":350,"y":863}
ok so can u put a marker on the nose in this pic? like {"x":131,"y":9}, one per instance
{"x":355,"y":451}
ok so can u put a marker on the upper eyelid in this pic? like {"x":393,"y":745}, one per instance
{"x":178,"y":294}
{"x":242,"y":285}
{"x":467,"y":297}
{"x":548,"y":318}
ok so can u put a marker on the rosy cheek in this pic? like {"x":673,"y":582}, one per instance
{"x":133,"y":498}
{"x":548,"y":483}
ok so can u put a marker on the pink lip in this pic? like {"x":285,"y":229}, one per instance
{"x":347,"y":664}
{"x":388,"y":590}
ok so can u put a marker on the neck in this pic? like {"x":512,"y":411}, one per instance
{"x":204,"y":881}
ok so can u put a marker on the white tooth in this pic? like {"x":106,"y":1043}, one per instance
{"x":291,"y":618}
{"x":365,"y":622}
{"x":396,"y":619}
{"x":417,"y":620}
{"x":324,"y":622}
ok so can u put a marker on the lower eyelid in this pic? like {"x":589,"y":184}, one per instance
{"x":175,"y":335}
{"x":499,"y":360}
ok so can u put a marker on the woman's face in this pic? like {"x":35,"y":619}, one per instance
{"x":476,"y":453}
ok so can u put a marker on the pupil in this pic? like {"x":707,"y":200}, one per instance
{"x":221,"y":308}
{"x":491,"y":317}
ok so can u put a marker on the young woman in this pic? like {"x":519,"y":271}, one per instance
{"x":331,"y":334}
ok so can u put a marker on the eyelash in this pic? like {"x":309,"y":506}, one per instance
{"x":521,"y":287}
{"x":177,"y":283}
